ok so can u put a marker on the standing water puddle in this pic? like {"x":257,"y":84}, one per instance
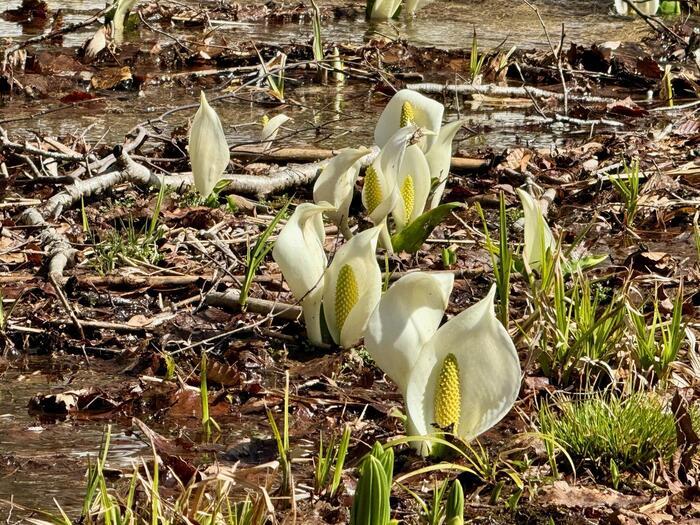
{"x":43,"y":458}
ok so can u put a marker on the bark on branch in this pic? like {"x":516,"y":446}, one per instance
{"x":502,"y":91}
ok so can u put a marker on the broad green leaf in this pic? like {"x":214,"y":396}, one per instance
{"x":412,"y":237}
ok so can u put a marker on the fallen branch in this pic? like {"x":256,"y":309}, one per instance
{"x":503,"y":91}
{"x":289,"y":177}
{"x":5,"y":142}
{"x":58,"y":249}
{"x":317,"y":154}
{"x":231,"y":301}
{"x":583,"y":122}
{"x":99,"y":166}
{"x":131,"y":281}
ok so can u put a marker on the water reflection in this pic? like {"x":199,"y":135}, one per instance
{"x":446,"y":24}
{"x":73,"y":11}
{"x":340,"y":118}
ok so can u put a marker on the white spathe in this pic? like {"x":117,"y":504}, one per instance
{"x":209,"y":155}
{"x":439,"y":158}
{"x":413,"y":194}
{"x":299,"y":253}
{"x":648,"y":7}
{"x":271,"y":128}
{"x":404,"y":340}
{"x":336,"y":185}
{"x":407,"y":316}
{"x":538,"y":236}
{"x":380,"y":191}
{"x":384,"y":9}
{"x":97,"y":43}
{"x":427,"y":114}
{"x":488,"y":366}
{"x":348,"y":300}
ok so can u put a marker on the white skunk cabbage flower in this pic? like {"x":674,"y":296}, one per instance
{"x":382,"y":9}
{"x":405,"y":319}
{"x":538,"y":236}
{"x":649,"y":8}
{"x":352,"y":287}
{"x":336,"y":184}
{"x":414,"y":186}
{"x":462,"y":377}
{"x":299,"y":253}
{"x":271,"y":127}
{"x":409,"y":107}
{"x":380,"y":192}
{"x":209,"y":155}
{"x":466,"y":377}
{"x":439,"y":158}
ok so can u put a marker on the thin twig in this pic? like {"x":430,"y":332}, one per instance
{"x":661,"y":29}
{"x":556,"y":54}
{"x":53,"y":34}
{"x":502,"y":91}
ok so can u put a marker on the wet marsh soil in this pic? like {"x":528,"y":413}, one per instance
{"x":118,"y":372}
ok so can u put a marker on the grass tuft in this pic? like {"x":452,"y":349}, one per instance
{"x":631,"y":433}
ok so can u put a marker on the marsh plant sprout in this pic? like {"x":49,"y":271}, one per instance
{"x":461,"y":377}
{"x":121,"y":15}
{"x":670,"y":8}
{"x":648,"y":7}
{"x":454,"y":507}
{"x":539,"y":240}
{"x":209,"y":154}
{"x":382,"y":9}
{"x":271,"y":127}
{"x":371,"y":504}
{"x":386,"y":9}
{"x":299,"y":253}
{"x":336,"y":185}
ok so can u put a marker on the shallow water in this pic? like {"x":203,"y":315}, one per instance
{"x":346,"y":115}
{"x":445,"y":24}
{"x":44,"y":459}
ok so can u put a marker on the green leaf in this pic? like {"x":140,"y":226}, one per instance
{"x":412,"y":237}
{"x":454,"y":508}
{"x":584,"y":263}
{"x":670,"y":7}
{"x":371,"y":503}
